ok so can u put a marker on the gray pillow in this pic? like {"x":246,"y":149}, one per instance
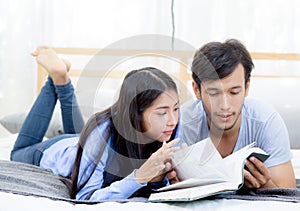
{"x":13,"y":123}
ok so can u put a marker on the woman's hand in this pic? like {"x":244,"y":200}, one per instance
{"x":159,"y":163}
{"x":172,"y":174}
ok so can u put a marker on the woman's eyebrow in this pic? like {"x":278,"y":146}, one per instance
{"x":166,"y":107}
{"x":162,"y":107}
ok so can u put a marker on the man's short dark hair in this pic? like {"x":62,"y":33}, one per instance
{"x":216,"y":60}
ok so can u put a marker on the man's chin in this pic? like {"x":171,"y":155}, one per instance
{"x":224,"y":127}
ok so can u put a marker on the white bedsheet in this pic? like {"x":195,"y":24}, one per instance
{"x":9,"y":201}
{"x":6,"y":145}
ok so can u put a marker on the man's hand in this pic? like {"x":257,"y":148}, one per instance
{"x":257,"y":175}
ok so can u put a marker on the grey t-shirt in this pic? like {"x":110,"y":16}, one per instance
{"x":260,"y":123}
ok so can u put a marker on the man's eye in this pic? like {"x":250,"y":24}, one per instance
{"x":235,"y":93}
{"x":213,"y":94}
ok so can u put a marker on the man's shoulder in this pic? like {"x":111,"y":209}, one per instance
{"x":193,"y":122}
{"x":258,"y":109}
{"x":191,"y":111}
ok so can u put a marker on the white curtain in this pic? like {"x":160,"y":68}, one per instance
{"x":263,"y":25}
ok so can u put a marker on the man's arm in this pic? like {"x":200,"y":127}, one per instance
{"x":258,"y":176}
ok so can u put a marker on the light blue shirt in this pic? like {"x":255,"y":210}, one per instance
{"x":260,"y":123}
{"x":59,"y":158}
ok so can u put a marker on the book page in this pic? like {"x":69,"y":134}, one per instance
{"x":204,"y":172}
{"x":191,"y":183}
{"x":200,"y":160}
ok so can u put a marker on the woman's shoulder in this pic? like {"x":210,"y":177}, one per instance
{"x":104,"y":125}
{"x":100,"y":130}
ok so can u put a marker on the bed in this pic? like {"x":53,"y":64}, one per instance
{"x":96,"y":89}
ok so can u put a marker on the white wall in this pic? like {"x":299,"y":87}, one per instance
{"x":263,"y":25}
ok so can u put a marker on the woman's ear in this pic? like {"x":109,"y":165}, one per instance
{"x":247,"y":86}
{"x":196,"y":90}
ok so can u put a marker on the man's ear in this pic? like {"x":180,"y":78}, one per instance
{"x":196,"y":90}
{"x":247,"y":86}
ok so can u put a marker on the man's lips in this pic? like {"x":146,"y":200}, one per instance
{"x":225,"y":117}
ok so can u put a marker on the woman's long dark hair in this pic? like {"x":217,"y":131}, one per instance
{"x":123,"y":136}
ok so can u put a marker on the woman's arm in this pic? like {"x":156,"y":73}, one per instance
{"x":153,"y":170}
{"x":121,"y":189}
{"x":91,"y":174}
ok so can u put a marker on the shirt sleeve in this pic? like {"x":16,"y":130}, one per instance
{"x":92,"y":189}
{"x":275,"y":141}
{"x":59,"y":158}
{"x":122,"y":189}
{"x":117,"y":190}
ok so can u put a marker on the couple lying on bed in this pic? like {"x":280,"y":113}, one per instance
{"x":126,"y":150}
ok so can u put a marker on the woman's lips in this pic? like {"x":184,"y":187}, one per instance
{"x":168,"y":132}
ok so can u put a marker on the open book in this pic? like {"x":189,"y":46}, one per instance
{"x":203,"y":172}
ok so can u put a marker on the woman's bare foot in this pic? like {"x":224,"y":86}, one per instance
{"x":57,"y":68}
{"x":67,"y":63}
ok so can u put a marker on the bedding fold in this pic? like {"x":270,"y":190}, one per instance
{"x":30,"y":180}
{"x":277,"y":194}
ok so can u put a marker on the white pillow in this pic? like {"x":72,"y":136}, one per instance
{"x":13,"y":123}
{"x":4,"y":132}
{"x":90,"y":102}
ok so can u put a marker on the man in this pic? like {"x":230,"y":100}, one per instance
{"x":221,"y":79}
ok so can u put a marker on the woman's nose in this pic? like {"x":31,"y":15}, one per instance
{"x":173,"y":119}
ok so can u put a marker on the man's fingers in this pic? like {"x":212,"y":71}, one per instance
{"x":260,"y":166}
{"x":249,"y":180}
{"x":257,"y":174}
{"x":259,"y":170}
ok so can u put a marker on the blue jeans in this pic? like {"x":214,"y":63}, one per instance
{"x":29,"y":146}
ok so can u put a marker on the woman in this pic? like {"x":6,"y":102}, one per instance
{"x":121,"y":151}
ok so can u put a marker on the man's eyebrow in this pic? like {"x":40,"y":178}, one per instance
{"x":237,"y":87}
{"x":217,"y":89}
{"x":212,"y":89}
